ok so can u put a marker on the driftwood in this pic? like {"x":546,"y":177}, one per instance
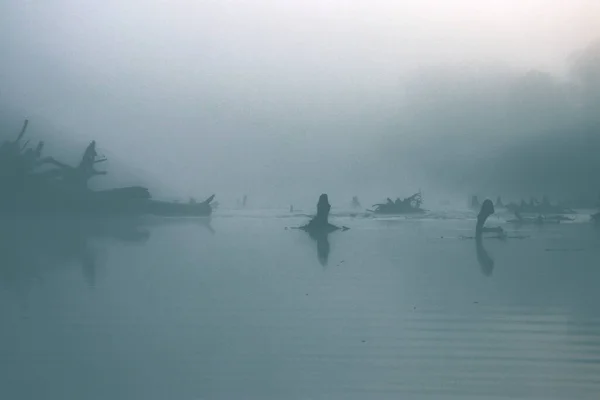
{"x":408,"y":205}
{"x":64,"y":188}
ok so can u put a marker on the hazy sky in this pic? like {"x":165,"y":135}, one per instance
{"x":236,"y":96}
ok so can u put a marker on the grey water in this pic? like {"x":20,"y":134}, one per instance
{"x":239,"y":307}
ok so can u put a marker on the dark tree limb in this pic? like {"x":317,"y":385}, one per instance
{"x":22,"y":131}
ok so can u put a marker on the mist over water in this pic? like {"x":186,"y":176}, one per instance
{"x":244,"y":97}
{"x":281,"y":101}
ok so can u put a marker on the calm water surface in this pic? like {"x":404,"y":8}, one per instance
{"x":243,"y":309}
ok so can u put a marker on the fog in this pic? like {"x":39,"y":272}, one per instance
{"x":112,"y":294}
{"x":284,"y":100}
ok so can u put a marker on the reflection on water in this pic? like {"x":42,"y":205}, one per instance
{"x":31,"y":247}
{"x":169,"y":310}
{"x":483,"y":258}
{"x":323,"y":247}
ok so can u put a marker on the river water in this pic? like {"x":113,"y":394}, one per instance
{"x":239,"y":307}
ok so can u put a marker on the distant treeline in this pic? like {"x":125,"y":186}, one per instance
{"x":485,"y":127}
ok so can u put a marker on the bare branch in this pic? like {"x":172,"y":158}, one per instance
{"x":22,"y":131}
{"x":24,"y":146}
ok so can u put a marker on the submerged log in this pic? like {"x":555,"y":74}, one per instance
{"x":172,"y":209}
{"x":126,"y":193}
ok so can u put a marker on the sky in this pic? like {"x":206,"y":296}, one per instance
{"x":279,"y":99}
